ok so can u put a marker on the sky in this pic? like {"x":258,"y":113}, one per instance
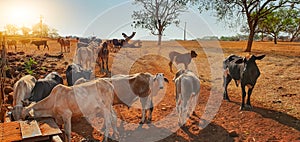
{"x":103,"y":18}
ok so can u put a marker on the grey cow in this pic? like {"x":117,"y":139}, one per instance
{"x":243,"y":71}
{"x":187,"y":90}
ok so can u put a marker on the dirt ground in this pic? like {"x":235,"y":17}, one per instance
{"x":275,"y":98}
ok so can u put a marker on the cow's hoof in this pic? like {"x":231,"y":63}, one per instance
{"x":242,"y":108}
{"x":149,"y":121}
{"x":249,"y":107}
{"x":226,"y":99}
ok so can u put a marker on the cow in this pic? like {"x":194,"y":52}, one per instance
{"x":86,"y":55}
{"x":85,"y":99}
{"x":38,"y":43}
{"x":187,"y":88}
{"x":143,"y":86}
{"x":103,"y":55}
{"x":11,"y":43}
{"x":43,"y":87}
{"x":24,"y":42}
{"x":22,"y":91}
{"x":185,"y":58}
{"x":115,"y":44}
{"x":65,"y":44}
{"x":243,"y":71}
{"x":74,"y":72}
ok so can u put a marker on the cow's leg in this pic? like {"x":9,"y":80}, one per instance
{"x":114,"y":123}
{"x":150,"y":111}
{"x":226,"y":79}
{"x":38,"y":47}
{"x":170,"y":65}
{"x":243,"y":96}
{"x":248,"y":104}
{"x":143,"y":101}
{"x":67,"y":126}
{"x":107,"y":65}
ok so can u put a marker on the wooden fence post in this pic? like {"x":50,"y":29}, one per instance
{"x":3,"y":61}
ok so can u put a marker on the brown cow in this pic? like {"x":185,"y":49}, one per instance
{"x":12,"y":43}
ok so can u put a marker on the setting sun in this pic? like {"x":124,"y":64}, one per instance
{"x":20,"y":16}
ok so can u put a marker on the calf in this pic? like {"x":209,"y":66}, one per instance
{"x":24,"y":42}
{"x":12,"y":43}
{"x":74,"y":72}
{"x":22,"y":90}
{"x":85,"y":99}
{"x":43,"y":87}
{"x":64,"y":44}
{"x":39,"y":43}
{"x":141,"y":86}
{"x":243,"y":70}
{"x":103,"y":55}
{"x":185,"y":58}
{"x":187,"y":88}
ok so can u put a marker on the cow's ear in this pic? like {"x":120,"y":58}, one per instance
{"x":166,"y":80}
{"x":239,"y":61}
{"x":259,"y":57}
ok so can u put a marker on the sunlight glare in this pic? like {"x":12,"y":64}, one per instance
{"x":20,"y":16}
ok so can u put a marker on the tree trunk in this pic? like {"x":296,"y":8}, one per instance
{"x":250,"y":40}
{"x":275,"y":39}
{"x":159,"y":40}
{"x":262,"y":36}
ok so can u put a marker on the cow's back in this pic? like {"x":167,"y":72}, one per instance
{"x":23,"y":88}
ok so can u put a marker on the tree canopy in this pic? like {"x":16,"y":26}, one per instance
{"x":157,"y":15}
{"x":253,"y":10}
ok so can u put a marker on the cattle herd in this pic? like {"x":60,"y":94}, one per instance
{"x":49,"y":97}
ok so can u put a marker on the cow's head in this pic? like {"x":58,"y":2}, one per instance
{"x":193,"y":54}
{"x":159,"y":77}
{"x":17,"y":112}
{"x":249,"y":61}
{"x":178,"y":73}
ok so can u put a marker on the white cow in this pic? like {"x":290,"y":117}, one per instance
{"x":22,"y":91}
{"x":84,"y":99}
{"x":143,"y":86}
{"x":86,"y":55}
{"x":187,"y":88}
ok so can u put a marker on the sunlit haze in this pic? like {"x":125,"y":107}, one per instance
{"x":103,"y":18}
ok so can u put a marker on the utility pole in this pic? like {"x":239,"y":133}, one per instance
{"x":41,"y":25}
{"x":184,"y":31}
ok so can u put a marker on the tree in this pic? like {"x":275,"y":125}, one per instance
{"x":293,"y":27}
{"x":157,"y":15}
{"x":276,"y":22}
{"x":25,"y":31}
{"x":253,"y":10}
{"x":11,"y":29}
{"x":53,"y":33}
{"x":37,"y":31}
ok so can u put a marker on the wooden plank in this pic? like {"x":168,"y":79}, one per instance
{"x":10,"y":132}
{"x":56,"y":138}
{"x":30,"y":129}
{"x":48,"y":127}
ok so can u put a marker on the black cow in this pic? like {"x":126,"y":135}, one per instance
{"x":74,"y":72}
{"x":39,"y":43}
{"x":43,"y":87}
{"x":243,"y":70}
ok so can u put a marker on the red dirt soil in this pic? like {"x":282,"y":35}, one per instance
{"x":275,"y":100}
